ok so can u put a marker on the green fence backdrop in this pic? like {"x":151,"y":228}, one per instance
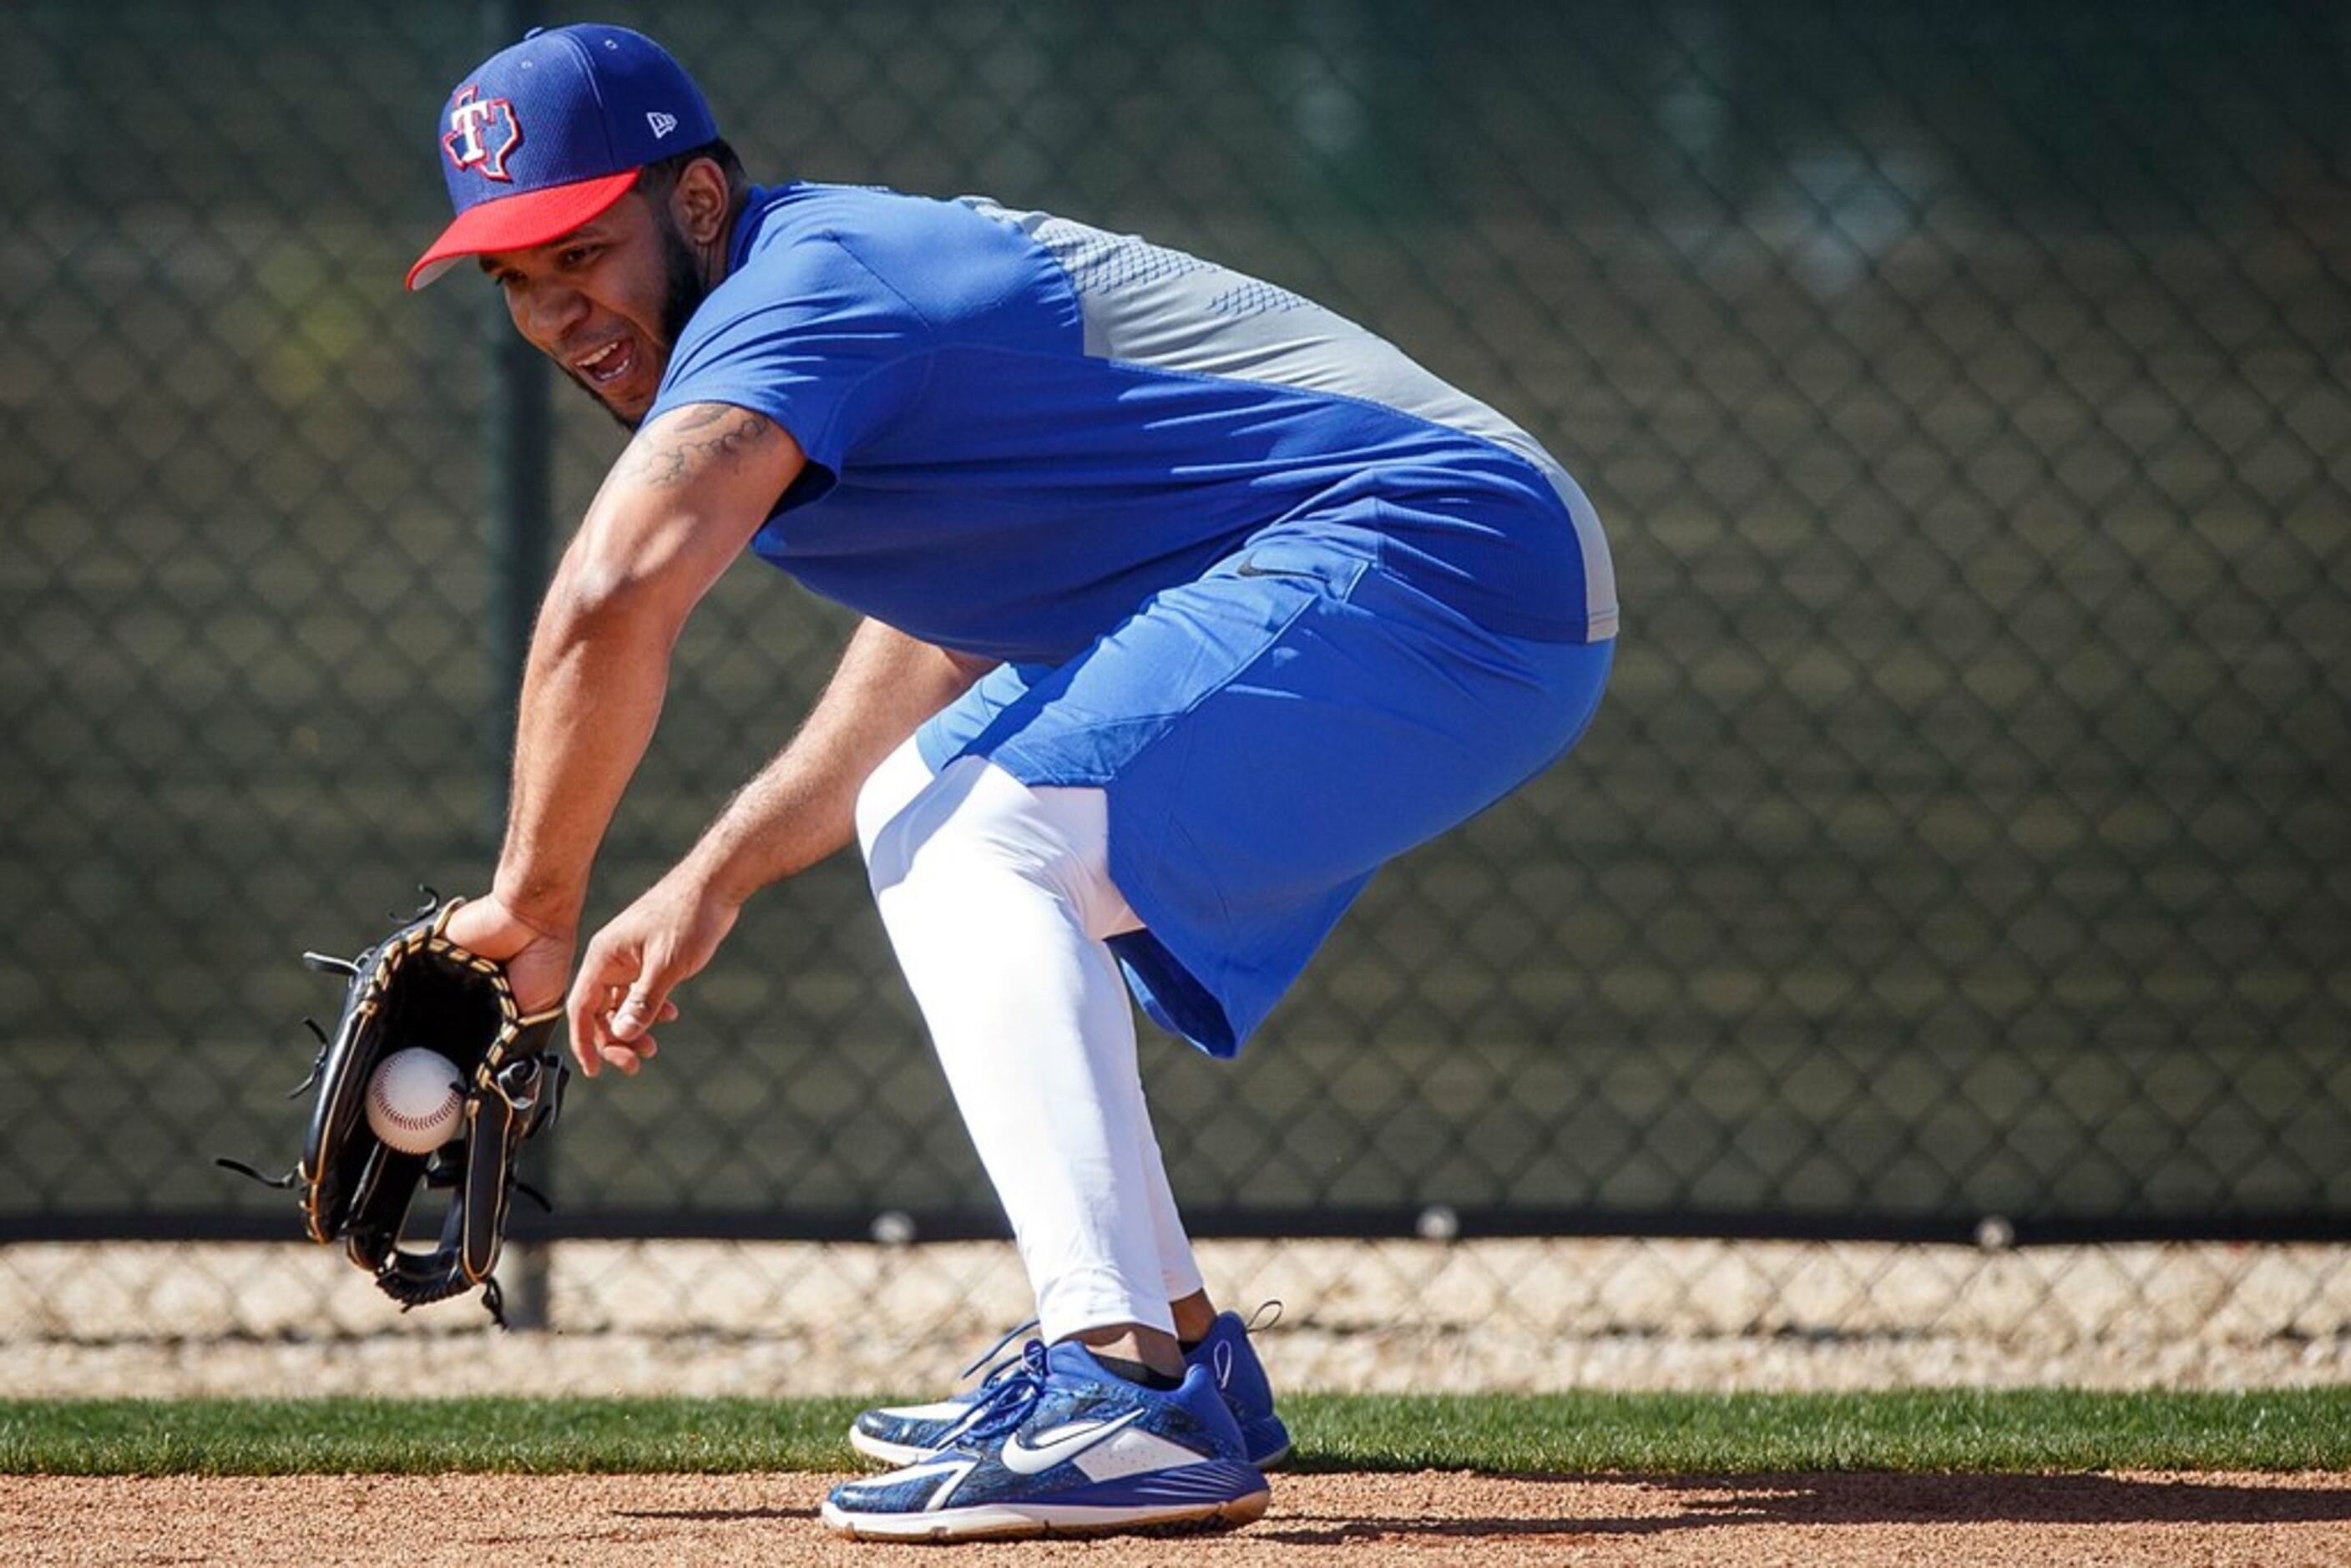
{"x":1964,"y":390}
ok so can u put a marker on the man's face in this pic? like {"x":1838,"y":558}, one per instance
{"x":606,"y":301}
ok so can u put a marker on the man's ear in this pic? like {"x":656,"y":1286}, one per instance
{"x":698,"y":203}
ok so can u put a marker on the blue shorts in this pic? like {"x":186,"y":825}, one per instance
{"x":1267,"y":737}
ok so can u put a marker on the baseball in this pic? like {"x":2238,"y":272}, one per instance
{"x":414,"y":1103}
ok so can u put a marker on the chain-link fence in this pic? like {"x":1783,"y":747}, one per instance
{"x":1963,"y":839}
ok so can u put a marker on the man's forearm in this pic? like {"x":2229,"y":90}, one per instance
{"x":802,"y":807}
{"x":592,"y":695}
{"x":676,"y":508}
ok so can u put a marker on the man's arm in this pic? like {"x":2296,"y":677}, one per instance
{"x":679,"y":506}
{"x":801,"y":808}
{"x":796,"y":811}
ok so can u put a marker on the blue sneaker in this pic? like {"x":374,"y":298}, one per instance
{"x":909,"y":1434}
{"x":1061,"y":1446}
{"x":1231,"y":1362}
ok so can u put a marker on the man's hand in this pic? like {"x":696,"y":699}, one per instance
{"x":538,"y":961}
{"x":657,"y":942}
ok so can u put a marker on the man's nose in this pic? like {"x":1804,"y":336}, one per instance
{"x":550,"y":312}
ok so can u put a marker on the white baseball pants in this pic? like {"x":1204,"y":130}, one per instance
{"x":997,"y":900}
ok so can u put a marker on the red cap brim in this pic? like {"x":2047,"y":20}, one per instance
{"x":519,"y":222}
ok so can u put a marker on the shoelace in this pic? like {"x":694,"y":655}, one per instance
{"x":1010,"y":1392}
{"x":1028,"y":1362}
{"x":996,"y":1350}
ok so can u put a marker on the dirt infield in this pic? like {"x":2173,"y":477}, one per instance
{"x":2272,"y":1520}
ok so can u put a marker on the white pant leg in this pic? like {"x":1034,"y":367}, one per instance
{"x":1179,"y":1273}
{"x":998,"y":899}
{"x":888,"y":790}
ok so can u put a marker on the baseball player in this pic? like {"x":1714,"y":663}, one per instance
{"x":1186,"y":604}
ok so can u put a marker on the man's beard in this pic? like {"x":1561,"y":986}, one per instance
{"x":681,"y":291}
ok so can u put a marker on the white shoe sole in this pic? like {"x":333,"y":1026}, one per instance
{"x":1009,"y":1522}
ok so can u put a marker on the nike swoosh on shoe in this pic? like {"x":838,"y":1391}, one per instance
{"x":1023,"y":1458}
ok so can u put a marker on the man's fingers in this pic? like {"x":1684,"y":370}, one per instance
{"x":622,"y":991}
{"x":583,"y":1051}
{"x":638,"y":1009}
{"x":602,"y":973}
{"x":580,"y":1028}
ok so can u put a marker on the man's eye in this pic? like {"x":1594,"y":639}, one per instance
{"x":577,"y":254}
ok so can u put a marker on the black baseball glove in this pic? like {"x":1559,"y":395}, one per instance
{"x":418,"y":989}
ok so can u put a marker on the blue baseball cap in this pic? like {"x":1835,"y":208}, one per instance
{"x":545,"y":135}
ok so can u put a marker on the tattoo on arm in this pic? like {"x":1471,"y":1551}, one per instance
{"x":704,"y":434}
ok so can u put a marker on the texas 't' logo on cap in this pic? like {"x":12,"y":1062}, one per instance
{"x":482,"y":131}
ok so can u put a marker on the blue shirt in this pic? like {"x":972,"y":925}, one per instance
{"x":1019,"y":427}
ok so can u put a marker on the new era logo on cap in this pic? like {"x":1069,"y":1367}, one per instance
{"x":662,"y":124}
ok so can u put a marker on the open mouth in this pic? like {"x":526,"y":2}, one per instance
{"x":604,"y":367}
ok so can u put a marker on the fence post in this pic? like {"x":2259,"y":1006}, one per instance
{"x":520,"y":525}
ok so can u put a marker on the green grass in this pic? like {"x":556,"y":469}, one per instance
{"x":1560,"y":1434}
{"x":2031,"y":1429}
{"x":288,"y":1437}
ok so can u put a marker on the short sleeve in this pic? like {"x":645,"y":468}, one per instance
{"x":809,"y":335}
